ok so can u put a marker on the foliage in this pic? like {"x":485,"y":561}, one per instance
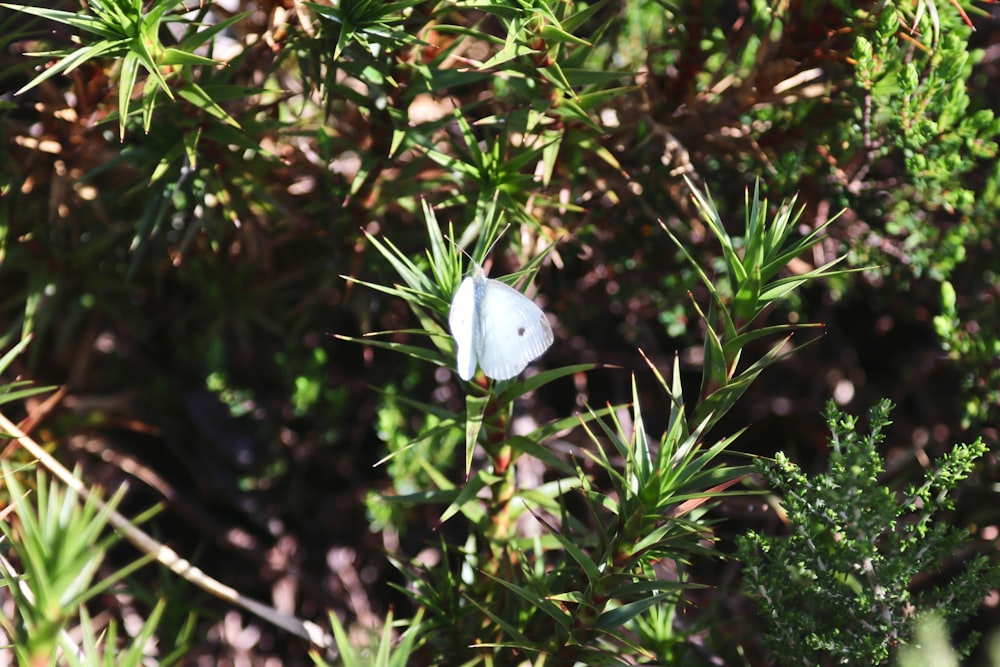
{"x":124,"y":29}
{"x":59,"y":544}
{"x":919,"y":109}
{"x":384,"y":651}
{"x":18,"y":390}
{"x":838,"y":586}
{"x":968,"y":332}
{"x":182,"y":186}
{"x":587,"y":586}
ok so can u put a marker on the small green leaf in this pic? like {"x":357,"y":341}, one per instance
{"x":475,"y":409}
{"x":126,"y":83}
{"x":615,"y":618}
{"x":75,"y":59}
{"x":172,"y":56}
{"x":467,"y":495}
{"x":197,"y":96}
{"x":77,"y":20}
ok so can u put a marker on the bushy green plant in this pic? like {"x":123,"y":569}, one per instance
{"x":180,"y":190}
{"x":585,"y":588}
{"x":837,"y":588}
{"x":916,"y":111}
{"x":969,"y":333}
{"x":126,"y":30}
{"x":57,"y":542}
{"x":52,"y":565}
{"x":384,"y":650}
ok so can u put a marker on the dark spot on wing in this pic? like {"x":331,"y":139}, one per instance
{"x":520,"y":331}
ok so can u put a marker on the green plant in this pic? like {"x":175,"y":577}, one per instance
{"x":180,"y":190}
{"x":968,"y":332}
{"x":55,"y":544}
{"x":585,"y":587}
{"x":19,"y":389}
{"x":752,"y":280}
{"x":59,"y":543}
{"x":384,"y":650}
{"x":837,"y":588}
{"x":916,"y":111}
{"x":125,"y":29}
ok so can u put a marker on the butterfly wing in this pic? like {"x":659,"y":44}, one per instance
{"x":513,"y":331}
{"x":463,"y":320}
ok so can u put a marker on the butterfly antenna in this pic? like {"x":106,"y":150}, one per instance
{"x":488,"y":250}
{"x":459,"y":248}
{"x":497,"y":239}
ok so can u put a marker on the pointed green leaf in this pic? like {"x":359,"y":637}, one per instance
{"x":745,"y":302}
{"x":197,"y":96}
{"x":172,"y":56}
{"x":414,"y":351}
{"x":475,"y":408}
{"x":473,"y":486}
{"x":74,"y":60}
{"x":75,"y":19}
{"x":126,"y":83}
{"x":552,"y":610}
{"x":615,"y":618}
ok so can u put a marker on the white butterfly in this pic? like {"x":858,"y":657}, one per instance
{"x":496,"y":327}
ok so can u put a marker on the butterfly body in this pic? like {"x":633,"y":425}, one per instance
{"x":496,"y":328}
